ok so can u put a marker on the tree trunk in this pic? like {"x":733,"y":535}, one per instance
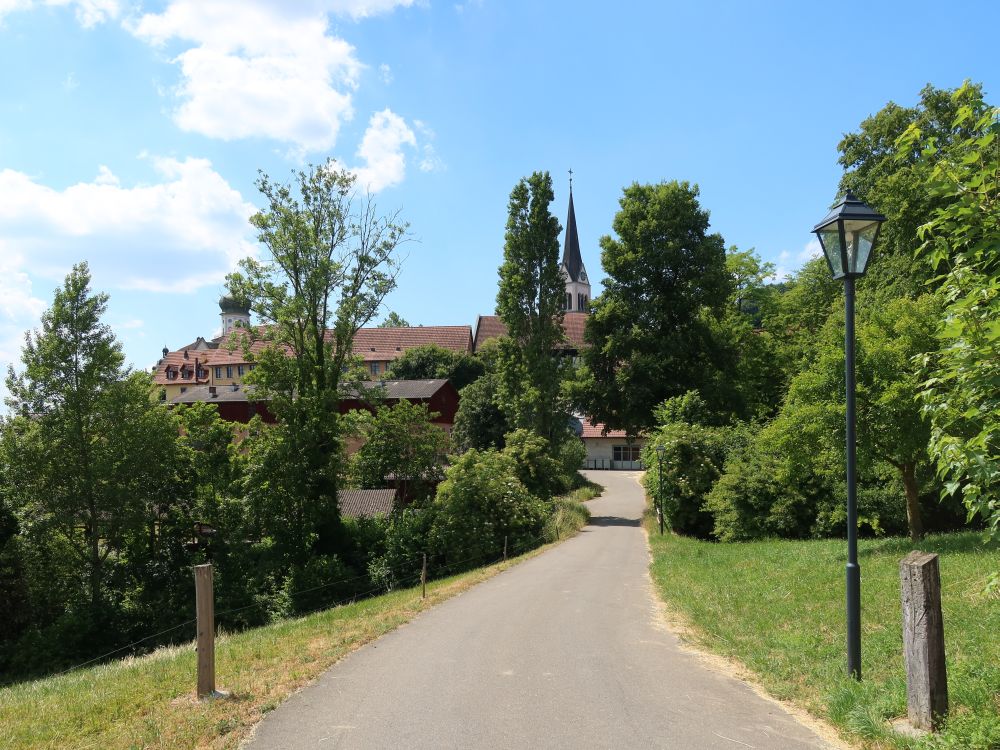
{"x":912,"y":502}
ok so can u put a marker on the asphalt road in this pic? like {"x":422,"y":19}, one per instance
{"x":562,"y":651}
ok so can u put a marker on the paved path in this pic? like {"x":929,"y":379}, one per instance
{"x":562,"y":651}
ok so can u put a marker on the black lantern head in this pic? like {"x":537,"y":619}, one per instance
{"x":660,"y":450}
{"x":848,"y":234}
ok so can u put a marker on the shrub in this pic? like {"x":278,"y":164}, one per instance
{"x":692,"y":461}
{"x":540,"y":472}
{"x":480,"y":502}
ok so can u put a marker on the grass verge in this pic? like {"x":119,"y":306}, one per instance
{"x":778,"y":608}
{"x":149,"y":701}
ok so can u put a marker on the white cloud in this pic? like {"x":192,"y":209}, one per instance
{"x":788,"y":262}
{"x":20,"y":309}
{"x":89,"y":13}
{"x":385,"y":73}
{"x":181,"y":233}
{"x":262,"y":68}
{"x":381,"y":150}
{"x":429,"y":159}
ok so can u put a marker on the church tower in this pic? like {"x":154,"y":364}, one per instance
{"x":577,"y":284}
{"x":233,"y":315}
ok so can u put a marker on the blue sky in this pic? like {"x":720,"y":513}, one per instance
{"x":131,"y":133}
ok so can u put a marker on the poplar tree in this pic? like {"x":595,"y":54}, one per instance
{"x":530,"y":303}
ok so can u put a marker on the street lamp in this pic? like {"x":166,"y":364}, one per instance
{"x":848,"y":235}
{"x":660,"y":450}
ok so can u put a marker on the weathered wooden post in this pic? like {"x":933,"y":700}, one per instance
{"x":423,"y":578}
{"x":923,"y":640}
{"x":505,"y":548}
{"x":205,"y":608}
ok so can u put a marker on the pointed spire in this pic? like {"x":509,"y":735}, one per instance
{"x":572,"y":260}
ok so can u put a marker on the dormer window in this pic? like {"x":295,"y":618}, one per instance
{"x":171,"y":373}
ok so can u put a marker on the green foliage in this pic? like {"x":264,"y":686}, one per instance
{"x":961,"y":394}
{"x":538,"y":469}
{"x":400,"y":442}
{"x":651,"y":333}
{"x":889,"y":169}
{"x":480,"y":423}
{"x":481,"y":502}
{"x":431,"y":361}
{"x":330,"y":264}
{"x":394,"y":320}
{"x":530,"y":303}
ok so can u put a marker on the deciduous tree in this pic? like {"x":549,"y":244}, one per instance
{"x":330,"y":260}
{"x":648,"y":337}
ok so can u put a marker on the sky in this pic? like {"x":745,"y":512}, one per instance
{"x":131,"y":133}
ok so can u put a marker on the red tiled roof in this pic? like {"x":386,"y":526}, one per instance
{"x":371,"y":344}
{"x":491,"y":327}
{"x":389,"y":343}
{"x":597,"y":431}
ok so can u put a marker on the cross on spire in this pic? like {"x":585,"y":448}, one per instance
{"x":571,"y":179}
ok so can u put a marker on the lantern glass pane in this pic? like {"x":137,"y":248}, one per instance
{"x":829,"y":238}
{"x":859,"y":236}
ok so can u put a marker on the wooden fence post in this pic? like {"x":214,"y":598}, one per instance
{"x":923,"y":640}
{"x":505,"y":548}
{"x":423,"y":578}
{"x":205,"y":607}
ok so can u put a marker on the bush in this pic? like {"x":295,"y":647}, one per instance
{"x":540,"y":472}
{"x":407,"y":539}
{"x":692,"y":461}
{"x":481,"y":502}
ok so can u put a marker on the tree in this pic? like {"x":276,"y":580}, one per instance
{"x":960,"y":244}
{"x":893,"y":178}
{"x":393,"y":320}
{"x":330,"y":264}
{"x":650,"y":336}
{"x":400,"y":442}
{"x":430,"y":361}
{"x":87,"y":453}
{"x":480,"y":423}
{"x":530,"y":303}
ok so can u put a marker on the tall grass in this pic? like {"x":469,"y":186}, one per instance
{"x":778,"y":607}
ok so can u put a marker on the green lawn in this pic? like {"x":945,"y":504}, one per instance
{"x":778,"y":607}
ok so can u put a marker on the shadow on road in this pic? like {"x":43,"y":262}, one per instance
{"x":612,"y":521}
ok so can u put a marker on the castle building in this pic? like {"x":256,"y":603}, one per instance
{"x":210,"y":366}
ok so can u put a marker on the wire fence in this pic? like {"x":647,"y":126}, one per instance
{"x":406,"y":577}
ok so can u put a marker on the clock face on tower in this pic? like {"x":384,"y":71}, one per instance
{"x":583,"y":275}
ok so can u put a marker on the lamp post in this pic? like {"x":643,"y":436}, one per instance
{"x":659,"y":477}
{"x":848,"y":235}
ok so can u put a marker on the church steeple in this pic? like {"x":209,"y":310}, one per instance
{"x":577,"y":283}
{"x":572,"y":260}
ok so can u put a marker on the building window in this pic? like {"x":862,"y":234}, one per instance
{"x":569,"y":301}
{"x":183,"y":389}
{"x":251,"y":367}
{"x":582,"y":301}
{"x":229,"y":371}
{"x":218,"y":373}
{"x":626,"y":452}
{"x":171,"y":373}
{"x":374,"y":368}
{"x":239,"y":370}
